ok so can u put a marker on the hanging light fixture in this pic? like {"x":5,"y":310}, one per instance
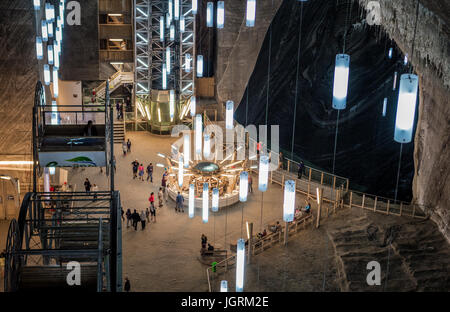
{"x":251,"y":13}
{"x":176,"y":12}
{"x":198,"y":134}
{"x":191,"y":200}
{"x":193,"y":105}
{"x":37,"y":4}
{"x":172,"y":32}
{"x":50,"y":54}
{"x":49,"y":12}
{"x":47,"y":74}
{"x":39,"y":48}
{"x":390,"y":53}
{"x":58,"y":35}
{"x":205,"y":202}
{"x":215,"y":199}
{"x":240,"y":262}
{"x":44,"y":31}
{"x":180,"y":171}
{"x":186,"y":149}
{"x":168,"y":60}
{"x":55,"y":83}
{"x":50,"y":29}
{"x":164,"y":76}
{"x":405,"y":60}
{"x":229,"y":107}
{"x":224,"y":286}
{"x":206,"y":146}
{"x":161,"y":28}
{"x":209,"y":14}
{"x":406,"y":108}
{"x":199,"y":66}
{"x":263,"y":173}
{"x":243,"y":186}
{"x":341,"y":72}
{"x":182,"y":24}
{"x":171,"y":9}
{"x":172,"y":104}
{"x":61,"y":13}
{"x":289,"y":201}
{"x":187,"y":63}
{"x":384,"y":106}
{"x":54,"y":120}
{"x":194,"y":6}
{"x":220,"y":14}
{"x":168,"y":20}
{"x":395,"y":82}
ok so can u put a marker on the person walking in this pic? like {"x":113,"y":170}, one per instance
{"x":136,"y":218}
{"x":121,"y":213}
{"x":127,"y":286}
{"x":150,"y":172}
{"x":129,"y":146}
{"x":301,"y":168}
{"x":124,"y":147}
{"x":143,"y":218}
{"x":87,"y":185}
{"x":179,"y":203}
{"x":128,"y":214}
{"x":141,"y":172}
{"x":147,"y":215}
{"x":163,"y":185}
{"x":135,"y":165}
{"x":153,"y":213}
{"x":151,"y":199}
{"x":160,"y":197}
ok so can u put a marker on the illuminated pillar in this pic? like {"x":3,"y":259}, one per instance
{"x":198,"y":134}
{"x":215,"y":200}
{"x":229,"y":114}
{"x":341,"y":72}
{"x":406,"y":108}
{"x":243,"y":186}
{"x":263,"y":173}
{"x":187,"y":149}
{"x":240,"y":262}
{"x":205,"y":202}
{"x":251,"y":13}
{"x":191,"y":200}
{"x":206,"y":146}
{"x":220,"y":14}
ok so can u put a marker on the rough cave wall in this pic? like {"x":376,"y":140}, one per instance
{"x":431,"y":61}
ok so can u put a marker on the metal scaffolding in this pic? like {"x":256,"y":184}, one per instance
{"x":187,"y":47}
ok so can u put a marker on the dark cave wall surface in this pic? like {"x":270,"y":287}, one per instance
{"x":366,"y":151}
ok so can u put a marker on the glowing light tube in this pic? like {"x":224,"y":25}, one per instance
{"x":199,"y":66}
{"x":186,"y":149}
{"x":55,"y":118}
{"x":187,"y":63}
{"x":39,"y":48}
{"x":182,"y":24}
{"x":176,"y":12}
{"x":220,"y":14}
{"x":209,"y":14}
{"x":406,"y":108}
{"x":164,"y":76}
{"x":194,"y":6}
{"x":405,"y":60}
{"x":180,"y":171}
{"x":37,"y":4}
{"x":51,"y":170}
{"x":49,"y":12}
{"x":223,"y":286}
{"x":168,"y":20}
{"x":191,"y":200}
{"x":229,"y":115}
{"x":340,"y":87}
{"x":384,"y":107}
{"x":206,"y":146}
{"x":171,"y":8}
{"x":263,"y":173}
{"x":50,"y":54}
{"x":390,"y":53}
{"x":198,"y":134}
{"x":168,"y":60}
{"x":215,"y":200}
{"x":58,"y":34}
{"x":56,"y":57}
{"x":172,"y":32}
{"x":193,"y":105}
{"x":395,"y":81}
{"x":47,"y":74}
{"x":251,"y":13}
{"x":205,"y":202}
{"x":50,"y":29}
{"x":289,"y":201}
{"x":240,"y":262}
{"x":172,"y":104}
{"x":44,"y":31}
{"x":161,"y":28}
{"x":243,"y":186}
{"x":61,"y":14}
{"x":55,"y":83}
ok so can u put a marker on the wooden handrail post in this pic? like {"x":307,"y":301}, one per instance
{"x":388,"y":203}
{"x":351,"y":197}
{"x":309,"y":178}
{"x":288,"y":165}
{"x":375,"y":204}
{"x":363,"y":199}
{"x":319,"y":207}
{"x":347,"y":185}
{"x":334,"y":182}
{"x":321,"y":179}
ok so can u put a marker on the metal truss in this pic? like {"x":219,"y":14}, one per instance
{"x":187,"y":46}
{"x":142,"y":57}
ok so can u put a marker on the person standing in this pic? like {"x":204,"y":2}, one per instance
{"x":153,"y":213}
{"x":129,"y":146}
{"x":150,"y":172}
{"x":141,"y":172}
{"x":136,"y":218}
{"x":160,"y":197}
{"x":87,"y":185}
{"x":127,"y":286}
{"x":179,"y":203}
{"x":121,"y":213}
{"x":118,"y":110}
{"x":301,"y":168}
{"x":250,"y":183}
{"x":163,"y":184}
{"x":147,"y":215}
{"x":128,"y":214}
{"x":143,"y":218}
{"x":281,"y":161}
{"x":95,"y":189}
{"x":124,"y":147}
{"x":151,"y":199}
{"x":135,"y":168}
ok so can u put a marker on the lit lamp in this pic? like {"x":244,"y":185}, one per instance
{"x":340,"y":87}
{"x":240,"y":261}
{"x":395,"y":81}
{"x":194,"y":6}
{"x":263,"y":173}
{"x":51,"y":170}
{"x":168,"y":60}
{"x":384,"y":106}
{"x":251,"y":13}
{"x":50,"y":29}
{"x":193,"y":105}
{"x":182,"y":24}
{"x":49,"y":12}
{"x":187,"y":63}
{"x":47,"y":74}
{"x":229,"y":115}
{"x":199,"y":66}
{"x":39,"y":48}
{"x":55,"y":83}
{"x":180,"y":171}
{"x":205,"y":202}
{"x":209,"y":14}
{"x":224,"y":286}
{"x":206,"y":146}
{"x":215,"y":200}
{"x":289,"y":201}
{"x":390,"y":53}
{"x":220,"y":14}
{"x":191,"y":200}
{"x":161,"y":29}
{"x":186,"y":149}
{"x":172,"y":104}
{"x":50,"y":54}
{"x":406,"y":108}
{"x":37,"y":4}
{"x":164,"y":76}
{"x":172,"y":32}
{"x":198,"y":134}
{"x":58,"y":34}
{"x":44,"y":31}
{"x":243,"y":186}
{"x":176,"y":13}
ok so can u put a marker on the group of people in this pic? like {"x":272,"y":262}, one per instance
{"x":126,"y":147}
{"x":144,"y":217}
{"x":138,"y":171}
{"x":90,"y":187}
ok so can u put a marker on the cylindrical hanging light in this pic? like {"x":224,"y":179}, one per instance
{"x":263,"y":172}
{"x":220,"y":14}
{"x":186,"y":149}
{"x":206,"y":146}
{"x":406,"y":108}
{"x":229,"y":106}
{"x":243,"y":186}
{"x":240,"y":262}
{"x":341,"y":72}
{"x":199,"y":66}
{"x":55,"y":83}
{"x":194,"y":6}
{"x":198,"y":134}
{"x":55,"y":118}
{"x":164,"y":76}
{"x":37,"y":4}
{"x":168,"y":20}
{"x":161,"y":28}
{"x":191,"y":200}
{"x":223,"y":286}
{"x":50,"y":54}
{"x":44,"y":32}
{"x":39,"y":48}
{"x":193,"y":105}
{"x":176,"y":12}
{"x":215,"y":199}
{"x":51,"y":170}
{"x":384,"y":106}
{"x":172,"y":32}
{"x":289,"y":201}
{"x":251,"y":13}
{"x":187,"y":63}
{"x":395,"y":81}
{"x":205,"y":202}
{"x":405,"y":59}
{"x":390,"y":53}
{"x":168,"y":67}
{"x":171,"y":8}
{"x":180,"y":171}
{"x":47,"y":78}
{"x":58,"y":34}
{"x":49,"y":12}
{"x":172,"y":104}
{"x":182,"y":24}
{"x":50,"y":29}
{"x":209,"y":14}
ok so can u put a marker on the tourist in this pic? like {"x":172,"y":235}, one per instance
{"x":118,"y":110}
{"x":121,"y":213}
{"x":153,"y":213}
{"x":301,"y":168}
{"x":129,"y":146}
{"x":307,"y":208}
{"x":163,"y":184}
{"x":95,"y":189}
{"x":210,"y":247}
{"x":250,"y":183}
{"x":150,"y":172}
{"x":87,"y":185}
{"x":90,"y":130}
{"x":204,"y":240}
{"x":141,"y":172}
{"x":128,"y":214}
{"x":151,"y":199}
{"x":124,"y":147}
{"x":127,"y":286}
{"x":281,"y":161}
{"x":135,"y":168}
{"x":160,"y":197}
{"x":179,"y":203}
{"x":142,"y":217}
{"x":136,"y":218}
{"x":147,"y":214}
{"x":114,"y":164}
